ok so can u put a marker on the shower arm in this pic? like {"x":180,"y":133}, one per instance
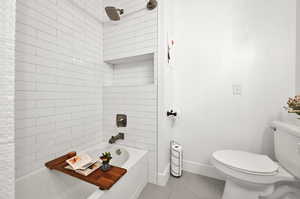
{"x":134,"y":11}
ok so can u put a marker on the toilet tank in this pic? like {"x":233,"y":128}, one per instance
{"x":287,"y":146}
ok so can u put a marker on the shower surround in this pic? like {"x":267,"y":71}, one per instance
{"x":59,"y":79}
{"x":68,"y":87}
{"x":7,"y":73}
{"x":130,"y":51}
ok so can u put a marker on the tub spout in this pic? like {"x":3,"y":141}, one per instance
{"x":113,"y":139}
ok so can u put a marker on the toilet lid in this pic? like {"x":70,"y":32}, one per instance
{"x":247,"y":162}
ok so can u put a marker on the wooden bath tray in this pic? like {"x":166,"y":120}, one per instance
{"x":103,"y":180}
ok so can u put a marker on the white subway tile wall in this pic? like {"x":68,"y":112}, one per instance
{"x":130,"y":74}
{"x":7,"y":85}
{"x":132,"y":89}
{"x":139,"y":104}
{"x":59,"y":79}
{"x":134,"y":34}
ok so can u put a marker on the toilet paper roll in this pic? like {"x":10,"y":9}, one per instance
{"x":177,"y":172}
{"x":175,"y":162}
{"x":176,"y":169}
{"x":176,"y":159}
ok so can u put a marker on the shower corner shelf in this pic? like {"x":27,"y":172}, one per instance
{"x":103,"y":180}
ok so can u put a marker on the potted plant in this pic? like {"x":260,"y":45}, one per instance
{"x":106,"y":157}
{"x":294,"y":105}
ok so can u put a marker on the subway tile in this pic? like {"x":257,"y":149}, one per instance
{"x":25,"y":123}
{"x":7,"y":85}
{"x":61,"y":104}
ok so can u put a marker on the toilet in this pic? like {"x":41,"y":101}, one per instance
{"x":252,"y":176}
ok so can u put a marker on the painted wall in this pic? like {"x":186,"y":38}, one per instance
{"x":298,"y":50}
{"x":165,"y":90}
{"x":218,"y":44}
{"x":59,"y":79}
{"x":7,"y":85}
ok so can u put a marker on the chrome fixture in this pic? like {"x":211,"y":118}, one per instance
{"x":171,"y":113}
{"x":152,"y":4}
{"x":118,"y":152}
{"x":121,"y":120}
{"x":113,"y":139}
{"x":114,"y":13}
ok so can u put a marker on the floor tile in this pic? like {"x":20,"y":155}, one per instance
{"x":181,"y":192}
{"x":189,"y":186}
{"x":152,"y":191}
{"x":203,"y":187}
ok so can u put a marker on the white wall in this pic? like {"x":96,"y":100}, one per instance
{"x":223,"y":43}
{"x":165,"y":90}
{"x":58,"y":80}
{"x":7,"y":85}
{"x":298,"y":51}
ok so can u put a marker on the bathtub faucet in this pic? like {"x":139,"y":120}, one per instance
{"x":113,"y":139}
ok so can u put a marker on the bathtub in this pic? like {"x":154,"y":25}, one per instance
{"x":51,"y":184}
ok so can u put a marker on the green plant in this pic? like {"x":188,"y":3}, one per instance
{"x":106,"y":157}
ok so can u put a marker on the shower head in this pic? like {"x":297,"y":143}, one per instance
{"x":114,"y":13}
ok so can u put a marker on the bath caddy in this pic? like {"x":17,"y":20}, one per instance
{"x":103,"y":180}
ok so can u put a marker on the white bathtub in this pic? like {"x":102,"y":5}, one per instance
{"x":50,"y":184}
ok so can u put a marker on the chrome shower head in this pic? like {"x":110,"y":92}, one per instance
{"x":114,"y":13}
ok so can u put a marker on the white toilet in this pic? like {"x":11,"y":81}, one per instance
{"x":253,"y":176}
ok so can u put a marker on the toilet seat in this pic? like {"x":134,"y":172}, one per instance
{"x":252,"y":174}
{"x":248,"y":175}
{"x":250,"y":163}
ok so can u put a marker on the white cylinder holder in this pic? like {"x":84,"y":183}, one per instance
{"x":176,"y":160}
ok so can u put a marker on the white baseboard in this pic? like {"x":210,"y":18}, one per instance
{"x":201,"y":169}
{"x":163,"y":178}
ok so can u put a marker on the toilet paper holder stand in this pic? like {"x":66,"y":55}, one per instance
{"x":178,"y":173}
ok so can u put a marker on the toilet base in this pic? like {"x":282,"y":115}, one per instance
{"x":235,"y":189}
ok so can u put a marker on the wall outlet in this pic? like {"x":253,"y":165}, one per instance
{"x":237,"y":89}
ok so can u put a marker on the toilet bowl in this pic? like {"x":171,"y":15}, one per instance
{"x":253,"y":176}
{"x":248,"y":175}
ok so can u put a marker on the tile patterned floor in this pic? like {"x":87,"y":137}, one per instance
{"x":189,"y":186}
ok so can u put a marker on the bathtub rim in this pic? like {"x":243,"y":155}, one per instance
{"x":134,"y":155}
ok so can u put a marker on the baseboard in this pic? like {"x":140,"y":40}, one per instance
{"x":163,"y":178}
{"x":201,"y":169}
